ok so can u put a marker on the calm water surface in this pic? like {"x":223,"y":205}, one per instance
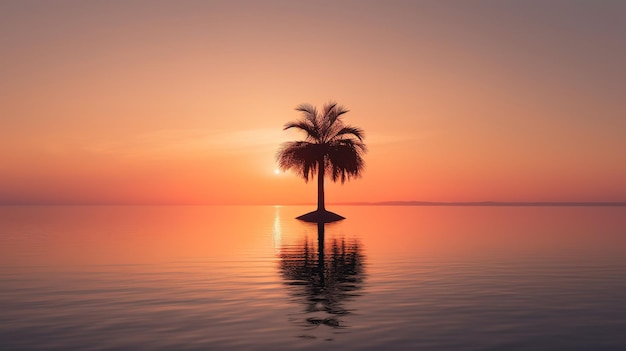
{"x":254,"y":278}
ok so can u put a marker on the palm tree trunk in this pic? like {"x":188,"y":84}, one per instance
{"x":320,"y":185}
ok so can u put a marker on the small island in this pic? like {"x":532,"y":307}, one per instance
{"x":330,"y":148}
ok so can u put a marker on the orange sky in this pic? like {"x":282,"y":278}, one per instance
{"x":183,"y":101}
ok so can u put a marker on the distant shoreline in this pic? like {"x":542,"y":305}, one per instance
{"x":487,"y":203}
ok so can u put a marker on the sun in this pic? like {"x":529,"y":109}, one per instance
{"x":277,"y":171}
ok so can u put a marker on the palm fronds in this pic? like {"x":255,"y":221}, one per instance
{"x":328,"y":143}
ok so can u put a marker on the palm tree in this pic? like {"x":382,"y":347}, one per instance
{"x":330,"y":148}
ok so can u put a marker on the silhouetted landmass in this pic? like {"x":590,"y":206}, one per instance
{"x":487,"y":203}
{"x":320,"y":217}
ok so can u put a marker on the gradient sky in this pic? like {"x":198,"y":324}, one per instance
{"x":183,"y":102}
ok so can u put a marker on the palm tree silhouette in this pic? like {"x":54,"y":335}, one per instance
{"x":330,"y":147}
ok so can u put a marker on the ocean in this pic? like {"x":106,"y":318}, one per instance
{"x":255,"y":278}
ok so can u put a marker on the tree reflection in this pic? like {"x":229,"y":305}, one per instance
{"x":323,"y":278}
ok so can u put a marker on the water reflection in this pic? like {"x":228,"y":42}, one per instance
{"x":277,"y":231}
{"x":323,"y":278}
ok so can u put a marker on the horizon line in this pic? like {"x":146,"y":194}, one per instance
{"x":365,"y":203}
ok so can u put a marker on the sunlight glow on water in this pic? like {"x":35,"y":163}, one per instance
{"x":253,"y":278}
